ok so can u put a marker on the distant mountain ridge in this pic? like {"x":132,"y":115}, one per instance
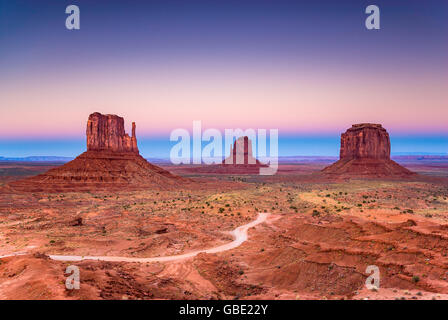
{"x":298,"y":158}
{"x":38,"y":158}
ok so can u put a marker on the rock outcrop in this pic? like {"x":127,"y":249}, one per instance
{"x":112,"y":161}
{"x":365,"y":151}
{"x":239,"y":162}
{"x":365,"y":141}
{"x":241,"y":159}
{"x":241,"y":153}
{"x":106,"y":132}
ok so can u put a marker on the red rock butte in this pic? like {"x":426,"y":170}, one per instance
{"x":241,"y":153}
{"x":365,"y":152}
{"x":106,"y":133}
{"x":112,"y":161}
{"x":241,"y":159}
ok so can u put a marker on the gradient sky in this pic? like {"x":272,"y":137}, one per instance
{"x":308,"y":68}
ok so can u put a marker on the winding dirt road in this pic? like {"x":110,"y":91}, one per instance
{"x":240,"y":235}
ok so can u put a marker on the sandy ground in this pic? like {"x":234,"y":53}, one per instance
{"x":239,"y":235}
{"x":316,"y":244}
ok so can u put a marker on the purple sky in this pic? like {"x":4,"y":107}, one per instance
{"x":307,"y":68}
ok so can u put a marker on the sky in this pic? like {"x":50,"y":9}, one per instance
{"x":310,"y":69}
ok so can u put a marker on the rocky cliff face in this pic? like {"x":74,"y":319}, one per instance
{"x":365,"y":141}
{"x":112,"y":162}
{"x":365,"y":152}
{"x":241,"y":153}
{"x":106,"y":133}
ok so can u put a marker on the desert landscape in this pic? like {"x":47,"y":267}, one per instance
{"x":212,"y":157}
{"x":140,"y":231}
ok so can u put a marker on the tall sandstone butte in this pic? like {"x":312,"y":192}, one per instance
{"x":112,"y":161}
{"x":365,"y":141}
{"x":240,"y":160}
{"x":241,"y":153}
{"x":106,"y":132}
{"x":365,"y":151}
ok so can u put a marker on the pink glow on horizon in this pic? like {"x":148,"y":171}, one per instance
{"x":299,"y":101}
